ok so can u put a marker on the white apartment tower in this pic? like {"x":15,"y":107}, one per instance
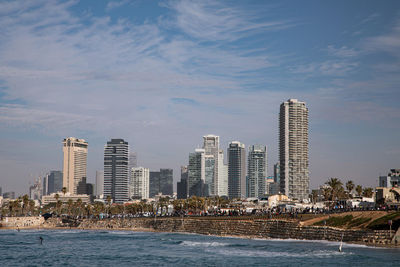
{"x":99,"y":183}
{"x":211,"y":148}
{"x":293,"y":149}
{"x":140,"y":183}
{"x":74,"y":165}
{"x":222,"y":185}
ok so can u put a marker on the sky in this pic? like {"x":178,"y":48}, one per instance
{"x":162,"y":74}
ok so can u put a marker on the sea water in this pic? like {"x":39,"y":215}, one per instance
{"x":126,"y":248}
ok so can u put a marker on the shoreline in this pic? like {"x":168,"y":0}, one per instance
{"x":252,"y":237}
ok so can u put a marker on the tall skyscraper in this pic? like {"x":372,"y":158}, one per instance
{"x":154,"y":183}
{"x":209,"y":175}
{"x":257,"y":171}
{"x":182,"y":185}
{"x":116,"y":182}
{"x":293,"y":149}
{"x":277,"y":173}
{"x":74,"y":167}
{"x":222,"y":175}
{"x":140,"y":183}
{"x":54,"y":182}
{"x":236,"y":170}
{"x":211,"y":148}
{"x":196,"y":173}
{"x":166,"y":182}
{"x":99,"y":183}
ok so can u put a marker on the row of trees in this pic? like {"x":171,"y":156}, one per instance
{"x":335,"y":190}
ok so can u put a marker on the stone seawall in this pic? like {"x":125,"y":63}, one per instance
{"x":255,"y":228}
{"x":22,"y":222}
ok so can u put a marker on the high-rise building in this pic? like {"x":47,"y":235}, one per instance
{"x":182,"y":185}
{"x":196,"y":173}
{"x":116,"y":182}
{"x":140,"y":183}
{"x":257,"y":171}
{"x":166,"y":182}
{"x":277,"y":173}
{"x":211,"y":148}
{"x":99,"y":183}
{"x":154,"y":183}
{"x":1,"y":192}
{"x":54,"y":182}
{"x":236,"y":170}
{"x":45,"y":184}
{"x":209,"y":174}
{"x":74,"y":166}
{"x":35,"y":191}
{"x":222,"y":175}
{"x":161,"y":182}
{"x":293,"y":149}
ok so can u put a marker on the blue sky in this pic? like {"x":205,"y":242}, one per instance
{"x":161,"y":74}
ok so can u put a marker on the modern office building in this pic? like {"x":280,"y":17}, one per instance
{"x":236,"y":170}
{"x":277,"y":173}
{"x":140,"y":183}
{"x":54,"y":182}
{"x":211,"y":148}
{"x":45,"y":184}
{"x":257,"y":171}
{"x":181,"y":187}
{"x":196,"y":173}
{"x":116,"y":182}
{"x":161,"y":182}
{"x":74,"y":165}
{"x":391,"y":180}
{"x":99,"y":183}
{"x":166,"y":182}
{"x":154,"y":183}
{"x":293,"y":149}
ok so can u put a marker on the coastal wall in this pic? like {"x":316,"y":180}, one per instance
{"x":255,"y":228}
{"x":22,"y":222}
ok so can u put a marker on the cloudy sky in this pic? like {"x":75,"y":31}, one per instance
{"x":161,"y":74}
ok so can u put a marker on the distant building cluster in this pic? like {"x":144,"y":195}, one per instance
{"x":242,"y":174}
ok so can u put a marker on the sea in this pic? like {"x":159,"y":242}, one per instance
{"x":127,"y":248}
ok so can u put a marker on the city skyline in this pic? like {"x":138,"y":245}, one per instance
{"x":168,"y":72}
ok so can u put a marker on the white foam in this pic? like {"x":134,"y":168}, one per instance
{"x":203,"y":244}
{"x":274,"y":254}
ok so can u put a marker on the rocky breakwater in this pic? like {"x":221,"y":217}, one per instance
{"x":253,"y":228}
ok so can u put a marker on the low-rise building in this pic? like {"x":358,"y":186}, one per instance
{"x":391,"y":180}
{"x":64,"y":198}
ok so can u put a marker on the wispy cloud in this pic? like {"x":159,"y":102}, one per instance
{"x":116,"y":4}
{"x":215,"y":21}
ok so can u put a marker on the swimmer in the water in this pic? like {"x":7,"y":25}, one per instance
{"x":41,"y":240}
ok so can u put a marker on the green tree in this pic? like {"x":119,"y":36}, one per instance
{"x":336,"y":188}
{"x":359,"y":190}
{"x":368,"y":192}
{"x":64,"y":190}
{"x":350,"y":186}
{"x":25,"y":202}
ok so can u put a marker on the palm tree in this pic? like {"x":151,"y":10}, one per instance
{"x":64,"y":190}
{"x":359,"y":190}
{"x":350,"y":186}
{"x":368,"y":192}
{"x":70,"y":204}
{"x":25,"y":201}
{"x":336,"y":185}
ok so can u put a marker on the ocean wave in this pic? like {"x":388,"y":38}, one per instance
{"x":203,"y":244}
{"x":275,"y":254}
